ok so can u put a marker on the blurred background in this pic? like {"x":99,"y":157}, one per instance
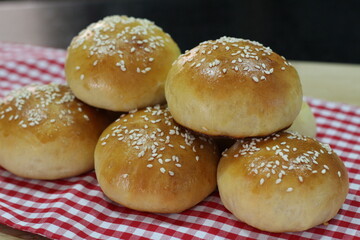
{"x":325,"y":31}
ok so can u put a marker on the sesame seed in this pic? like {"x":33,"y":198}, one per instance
{"x":171,"y":173}
{"x":339,"y":174}
{"x":323,"y":171}
{"x":204,"y":128}
{"x":301,"y":179}
{"x":162,"y":170}
{"x":262,"y":181}
{"x":149,"y":165}
{"x":82,"y":77}
{"x":290,"y":189}
{"x":278,"y":181}
{"x":141,"y":154}
{"x":255,"y":79}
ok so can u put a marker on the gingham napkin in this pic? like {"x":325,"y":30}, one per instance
{"x":75,"y":208}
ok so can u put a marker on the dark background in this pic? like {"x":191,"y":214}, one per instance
{"x":326,"y":31}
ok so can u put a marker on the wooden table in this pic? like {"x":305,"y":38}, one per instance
{"x":328,"y":81}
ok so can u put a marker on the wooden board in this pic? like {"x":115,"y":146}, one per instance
{"x":330,"y":81}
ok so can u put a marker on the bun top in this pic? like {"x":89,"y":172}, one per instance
{"x":152,"y":134}
{"x":145,"y":161}
{"x":243,"y":88}
{"x":44,"y":110}
{"x":234,"y":58}
{"x":288,"y":158}
{"x":133,"y":40}
{"x":283,"y":182}
{"x":120,"y":63}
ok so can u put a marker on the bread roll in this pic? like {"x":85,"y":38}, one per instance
{"x":283,"y":182}
{"x":120,"y":63}
{"x":146,"y":162}
{"x":304,"y":123}
{"x":46,"y":133}
{"x":233,"y":87}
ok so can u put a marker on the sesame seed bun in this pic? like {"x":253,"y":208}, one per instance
{"x":46,"y":133}
{"x":120,"y":63}
{"x":283,"y":182}
{"x":146,"y":162}
{"x":233,"y":87}
{"x":304,"y":123}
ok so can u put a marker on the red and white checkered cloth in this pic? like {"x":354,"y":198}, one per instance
{"x":75,"y":208}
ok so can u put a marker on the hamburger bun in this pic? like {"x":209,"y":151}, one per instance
{"x":46,"y":133}
{"x":241,"y":87}
{"x":282,"y":182}
{"x":145,"y":161}
{"x":120,"y":63}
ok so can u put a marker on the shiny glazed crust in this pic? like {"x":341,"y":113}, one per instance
{"x":120,"y":63}
{"x":146,"y":162}
{"x":283,"y":182}
{"x":233,"y":87}
{"x":46,"y":133}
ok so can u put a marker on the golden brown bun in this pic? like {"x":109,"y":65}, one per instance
{"x":233,"y":87}
{"x":46,"y":133}
{"x":146,"y":162}
{"x":120,"y":63}
{"x":283,"y":182}
{"x":304,"y":123}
